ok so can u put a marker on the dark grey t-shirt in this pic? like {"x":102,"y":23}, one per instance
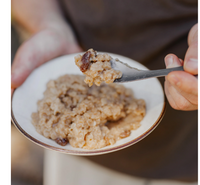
{"x":145,"y":31}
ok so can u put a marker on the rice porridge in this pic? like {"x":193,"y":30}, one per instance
{"x":97,"y":68}
{"x":87,"y":117}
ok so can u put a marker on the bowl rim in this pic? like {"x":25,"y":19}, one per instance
{"x":87,"y":153}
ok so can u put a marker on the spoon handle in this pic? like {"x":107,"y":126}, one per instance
{"x":164,"y":72}
{"x":132,"y":74}
{"x":161,"y":72}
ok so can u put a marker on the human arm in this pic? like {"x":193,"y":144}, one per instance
{"x":51,"y":36}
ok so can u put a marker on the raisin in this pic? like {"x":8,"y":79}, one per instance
{"x":61,"y":141}
{"x":85,"y":61}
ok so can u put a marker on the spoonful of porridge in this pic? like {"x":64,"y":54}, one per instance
{"x":100,"y":68}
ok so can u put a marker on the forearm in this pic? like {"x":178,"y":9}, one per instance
{"x":37,"y":15}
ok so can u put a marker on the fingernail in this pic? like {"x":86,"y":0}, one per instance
{"x":191,"y":64}
{"x":169,"y":62}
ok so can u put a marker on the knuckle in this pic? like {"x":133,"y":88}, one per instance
{"x":193,"y":99}
{"x":173,"y":105}
{"x":183,"y":105}
{"x":196,"y":100}
{"x":189,"y":88}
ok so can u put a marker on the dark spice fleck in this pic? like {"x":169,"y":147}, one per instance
{"x":57,"y":113}
{"x":72,"y":107}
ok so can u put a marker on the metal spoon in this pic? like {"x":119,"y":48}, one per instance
{"x":131,"y":74}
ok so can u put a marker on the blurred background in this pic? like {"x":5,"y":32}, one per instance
{"x":26,"y":157}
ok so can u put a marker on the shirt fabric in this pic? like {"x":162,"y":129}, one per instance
{"x":145,"y":31}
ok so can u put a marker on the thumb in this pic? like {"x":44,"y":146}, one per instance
{"x":191,"y":57}
{"x":40,"y":48}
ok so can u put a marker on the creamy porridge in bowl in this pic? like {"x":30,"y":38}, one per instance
{"x":73,"y":118}
{"x":87,"y":117}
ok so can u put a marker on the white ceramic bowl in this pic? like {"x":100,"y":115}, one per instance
{"x":24,"y":103}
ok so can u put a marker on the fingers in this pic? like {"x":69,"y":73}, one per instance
{"x":172,"y":60}
{"x":193,"y":34}
{"x":168,"y":95}
{"x":191,"y":61}
{"x":183,"y":89}
{"x":180,"y":87}
{"x":191,"y":57}
{"x":176,"y":100}
{"x":186,"y":84}
{"x":42,"y":47}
